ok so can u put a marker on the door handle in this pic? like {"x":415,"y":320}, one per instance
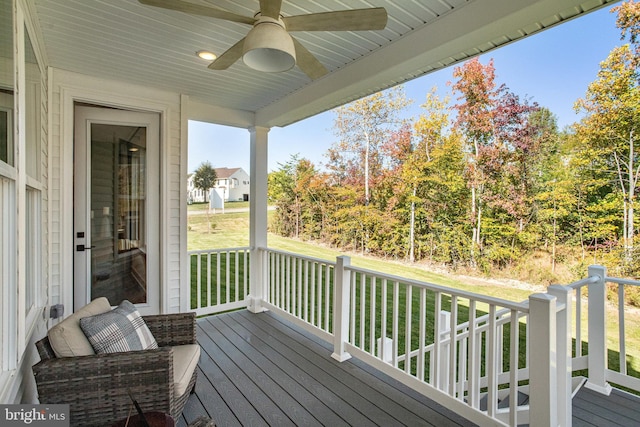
{"x":82,"y":248}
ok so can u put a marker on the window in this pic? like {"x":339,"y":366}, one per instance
{"x":6,"y":141}
{"x":33,"y":250}
{"x":8,"y":176}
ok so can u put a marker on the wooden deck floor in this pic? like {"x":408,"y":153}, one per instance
{"x":258,"y":370}
{"x":594,"y":409}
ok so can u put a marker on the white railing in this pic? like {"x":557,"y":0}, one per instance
{"x":458,"y":348}
{"x":391,"y":323}
{"x":592,"y":319}
{"x":219,"y":279}
{"x":303,"y":288}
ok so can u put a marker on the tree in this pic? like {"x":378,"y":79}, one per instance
{"x":611,"y":127}
{"x":299,"y":192}
{"x":628,"y":21}
{"x":204,"y":178}
{"x":429,"y":132}
{"x":477,"y":88}
{"x":362,"y":126}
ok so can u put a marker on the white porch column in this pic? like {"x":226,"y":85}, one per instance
{"x":597,"y":362}
{"x":258,"y":216}
{"x":543,"y":380}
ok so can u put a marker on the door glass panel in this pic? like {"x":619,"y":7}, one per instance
{"x":118,"y":222}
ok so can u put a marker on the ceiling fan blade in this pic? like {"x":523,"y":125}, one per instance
{"x":308,"y":63}
{"x":230,"y":56}
{"x":197,"y":9}
{"x":343,"y":20}
{"x":270,"y":8}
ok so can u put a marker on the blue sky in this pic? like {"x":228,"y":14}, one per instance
{"x":552,"y":68}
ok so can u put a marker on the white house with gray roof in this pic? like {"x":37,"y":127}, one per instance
{"x":234,"y":183}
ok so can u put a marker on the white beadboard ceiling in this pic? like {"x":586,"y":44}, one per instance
{"x":126,"y":41}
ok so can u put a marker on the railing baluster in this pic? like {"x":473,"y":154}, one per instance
{"x":327,"y":296}
{"x":383,"y":321}
{"x":287,"y":283}
{"x":452,"y":344}
{"x":396,"y":315}
{"x":218,"y":292}
{"x":245,"y":273}
{"x":319,"y":297}
{"x":227,"y":280}
{"x":621,"y":331}
{"x":236,"y":277}
{"x":352,"y":319}
{"x":492,"y":387}
{"x":307,"y":300}
{"x":372,"y":317}
{"x":198,"y":281}
{"x":474,"y":360}
{"x":407,"y":331}
{"x":312,"y":293}
{"x":299,"y":287}
{"x":514,"y":336}
{"x":422,"y":333}
{"x":363,"y":291}
{"x":437,"y":343}
{"x":578,"y":322}
{"x":209,"y":272}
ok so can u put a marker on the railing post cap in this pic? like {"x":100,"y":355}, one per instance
{"x":559,"y":288}
{"x":542,"y":297}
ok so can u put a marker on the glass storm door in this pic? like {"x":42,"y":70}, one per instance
{"x":116,"y":207}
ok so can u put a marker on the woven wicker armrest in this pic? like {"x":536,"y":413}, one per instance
{"x":97,"y":387}
{"x":172,"y":329}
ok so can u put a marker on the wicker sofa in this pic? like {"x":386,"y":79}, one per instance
{"x":97,"y":386}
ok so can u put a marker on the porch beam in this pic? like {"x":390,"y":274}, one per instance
{"x":258,"y":216}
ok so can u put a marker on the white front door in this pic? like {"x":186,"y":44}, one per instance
{"x":117,"y":207}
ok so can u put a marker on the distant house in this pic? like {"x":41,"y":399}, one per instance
{"x":234,"y":183}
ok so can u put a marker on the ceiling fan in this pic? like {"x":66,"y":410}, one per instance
{"x":268,"y":46}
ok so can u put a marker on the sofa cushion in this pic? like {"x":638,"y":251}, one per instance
{"x":121,"y":329}
{"x":185,"y":360}
{"x":67,"y":339}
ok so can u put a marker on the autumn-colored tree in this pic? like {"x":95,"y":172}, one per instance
{"x":295,"y":189}
{"x":429,"y":131}
{"x":477,"y":96}
{"x":611,"y":127}
{"x":628,"y":21}
{"x":361,"y":127}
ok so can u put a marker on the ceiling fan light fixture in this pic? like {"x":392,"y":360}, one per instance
{"x":268,"y":47}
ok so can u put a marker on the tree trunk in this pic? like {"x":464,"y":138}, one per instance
{"x":474,"y":235}
{"x":366,"y":169}
{"x":633,"y":180}
{"x":412,"y":222}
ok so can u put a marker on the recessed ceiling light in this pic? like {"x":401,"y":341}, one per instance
{"x":209,"y":56}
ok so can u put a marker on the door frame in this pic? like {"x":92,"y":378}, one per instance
{"x":84,"y":117}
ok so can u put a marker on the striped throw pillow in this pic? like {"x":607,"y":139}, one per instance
{"x":118,"y":330}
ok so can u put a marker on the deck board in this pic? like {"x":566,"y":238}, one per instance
{"x":258,"y":370}
{"x":594,"y":409}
